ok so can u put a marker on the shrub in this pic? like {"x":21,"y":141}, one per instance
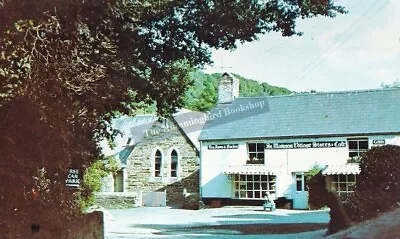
{"x":92,"y":179}
{"x":380,"y":171}
{"x":377,"y":187}
{"x":363,"y":205}
{"x":339,"y":219}
{"x":318,"y":195}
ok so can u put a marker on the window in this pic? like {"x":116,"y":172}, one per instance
{"x":343,"y":184}
{"x":256,"y":153}
{"x":174,"y":163}
{"x":253,"y":186}
{"x":129,"y":141}
{"x":357,"y":147}
{"x":301,"y":183}
{"x":157,"y":163}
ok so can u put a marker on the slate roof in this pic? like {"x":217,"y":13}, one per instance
{"x":130,"y":127}
{"x":191,"y":123}
{"x":315,"y":115}
{"x":134,"y":128}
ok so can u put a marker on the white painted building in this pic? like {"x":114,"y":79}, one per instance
{"x":254,"y":145}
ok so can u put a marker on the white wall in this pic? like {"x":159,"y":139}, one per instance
{"x":215,"y":184}
{"x":213,"y":162}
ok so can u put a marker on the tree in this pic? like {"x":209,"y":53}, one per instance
{"x":202,"y":95}
{"x":395,"y":84}
{"x":68,"y":67}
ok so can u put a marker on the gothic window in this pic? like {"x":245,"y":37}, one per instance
{"x":174,"y":163}
{"x":157,"y":163}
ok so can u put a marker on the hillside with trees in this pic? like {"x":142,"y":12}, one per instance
{"x":202,"y":96}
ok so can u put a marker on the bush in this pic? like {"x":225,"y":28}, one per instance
{"x":363,"y":205}
{"x":92,"y":179}
{"x":191,"y":201}
{"x":318,"y":195}
{"x":380,"y":171}
{"x":339,"y":219}
{"x":377,"y":187}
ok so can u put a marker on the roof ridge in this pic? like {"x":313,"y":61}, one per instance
{"x":321,"y":93}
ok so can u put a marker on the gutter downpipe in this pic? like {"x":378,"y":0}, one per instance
{"x":200,"y":171}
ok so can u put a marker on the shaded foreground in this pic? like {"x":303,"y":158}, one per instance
{"x":248,"y":229}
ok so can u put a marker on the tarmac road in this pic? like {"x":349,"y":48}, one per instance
{"x":226,"y":222}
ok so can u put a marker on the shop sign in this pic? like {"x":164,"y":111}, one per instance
{"x":73,"y":179}
{"x":223,"y":146}
{"x":378,"y":142}
{"x":306,"y":145}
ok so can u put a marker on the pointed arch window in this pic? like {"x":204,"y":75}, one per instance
{"x":174,"y":163}
{"x":157,"y":163}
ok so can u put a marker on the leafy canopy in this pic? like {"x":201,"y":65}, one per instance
{"x":67,"y":67}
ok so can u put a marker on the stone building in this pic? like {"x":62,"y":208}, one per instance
{"x":156,"y":155}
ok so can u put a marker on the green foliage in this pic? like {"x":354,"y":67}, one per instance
{"x":203,"y":95}
{"x":274,"y":90}
{"x":312,"y":172}
{"x":250,"y":87}
{"x":92,"y":179}
{"x":318,"y":194}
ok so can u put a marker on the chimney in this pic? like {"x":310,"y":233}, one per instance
{"x":228,"y":88}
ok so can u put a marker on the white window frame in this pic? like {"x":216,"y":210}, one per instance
{"x":357,"y":150}
{"x":342,"y":184}
{"x":257,"y":152}
{"x":253,"y":187}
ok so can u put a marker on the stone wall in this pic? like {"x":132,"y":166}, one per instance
{"x":111,"y":200}
{"x":163,"y":136}
{"x":91,"y":226}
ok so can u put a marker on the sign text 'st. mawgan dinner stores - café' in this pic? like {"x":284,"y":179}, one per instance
{"x":244,"y":156}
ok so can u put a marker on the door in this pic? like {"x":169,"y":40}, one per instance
{"x":300,"y":199}
{"x":119,"y":181}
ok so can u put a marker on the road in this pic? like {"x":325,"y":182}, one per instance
{"x":226,"y":222}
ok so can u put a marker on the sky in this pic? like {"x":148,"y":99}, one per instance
{"x":355,"y":51}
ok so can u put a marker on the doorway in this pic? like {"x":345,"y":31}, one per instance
{"x":300,"y":198}
{"x":119,"y":181}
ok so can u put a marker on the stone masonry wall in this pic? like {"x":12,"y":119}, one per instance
{"x":164,"y":136}
{"x":118,"y":200}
